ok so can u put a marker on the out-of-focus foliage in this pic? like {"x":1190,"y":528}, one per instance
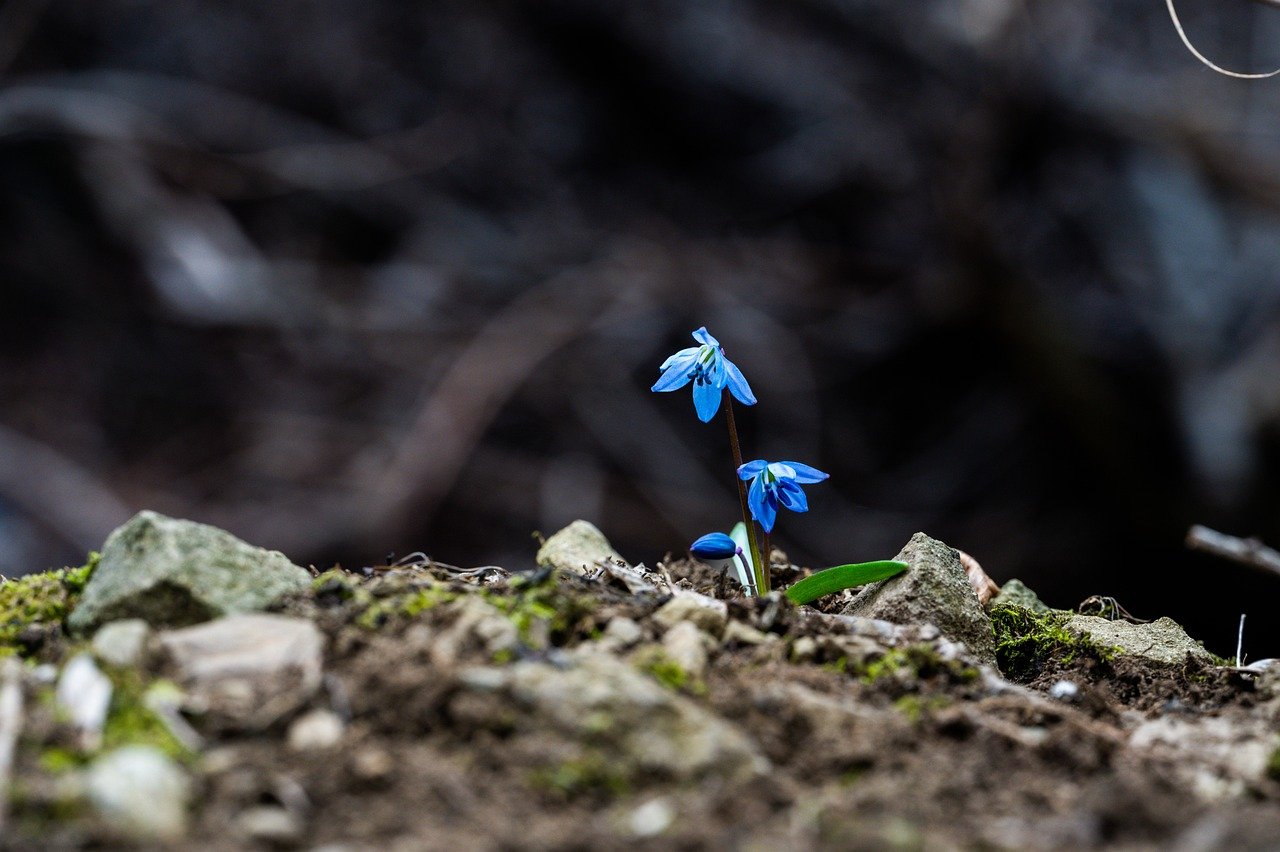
{"x":353,"y":277}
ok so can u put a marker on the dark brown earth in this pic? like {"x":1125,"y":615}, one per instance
{"x":890,"y":742}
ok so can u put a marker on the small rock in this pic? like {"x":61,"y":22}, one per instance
{"x":737,"y":633}
{"x":707,"y":614}
{"x":685,"y":646}
{"x":652,"y":818}
{"x":247,"y":671}
{"x":269,"y":824}
{"x":1016,"y":593}
{"x":372,"y":764}
{"x":577,"y":549}
{"x":84,"y":694}
{"x":1064,"y":690}
{"x":1162,"y":641}
{"x":315,"y":731}
{"x":642,"y":727}
{"x":936,"y":590}
{"x":140,"y":793}
{"x":622,"y":633}
{"x":121,"y":643}
{"x":174,"y":572}
{"x":804,"y":649}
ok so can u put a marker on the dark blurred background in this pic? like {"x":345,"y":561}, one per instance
{"x":358,"y":278}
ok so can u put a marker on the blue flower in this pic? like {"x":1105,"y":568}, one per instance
{"x":710,"y":373}
{"x":777,"y":483}
{"x":715,"y":546}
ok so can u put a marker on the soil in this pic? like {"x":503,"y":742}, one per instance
{"x":897,"y":742}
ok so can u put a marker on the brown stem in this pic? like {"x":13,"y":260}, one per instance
{"x":757,"y":564}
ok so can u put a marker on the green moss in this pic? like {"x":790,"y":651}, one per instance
{"x":654,"y":662}
{"x":1273,"y":766}
{"x":130,"y":721}
{"x":39,"y":599}
{"x":542,"y":612}
{"x":1027,"y":641}
{"x":914,"y":706}
{"x":590,"y":774}
{"x":921,"y":661}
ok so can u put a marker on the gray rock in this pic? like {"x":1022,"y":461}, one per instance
{"x":173,"y":572}
{"x":246,"y":671}
{"x":1017,"y":593}
{"x":577,"y":549}
{"x":686,"y":646}
{"x":644,"y":727}
{"x":935,"y":591}
{"x":139,"y":793}
{"x":1162,"y":641}
{"x":705,"y":613}
{"x":121,"y":643}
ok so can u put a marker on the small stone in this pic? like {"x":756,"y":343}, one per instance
{"x":936,"y":590}
{"x":685,"y":646}
{"x":1016,"y":593}
{"x":577,"y":549}
{"x":247,"y":671}
{"x":140,"y":793}
{"x":804,"y":649}
{"x":269,"y":824}
{"x":737,"y":633}
{"x":652,"y":818}
{"x":121,"y":643}
{"x":315,"y":731}
{"x":372,"y":764}
{"x":84,"y":695}
{"x":1064,"y":690}
{"x":1161,"y":641}
{"x":622,"y":633}
{"x":175,"y":572}
{"x":707,"y":614}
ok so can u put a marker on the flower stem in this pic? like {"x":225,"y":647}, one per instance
{"x":767,"y":547}
{"x":760,"y":569}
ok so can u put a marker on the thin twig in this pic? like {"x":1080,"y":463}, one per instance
{"x":1240,"y":643}
{"x":1246,"y":551}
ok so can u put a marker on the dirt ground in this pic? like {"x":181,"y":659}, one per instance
{"x":804,"y":730}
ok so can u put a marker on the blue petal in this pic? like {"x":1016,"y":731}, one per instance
{"x":684,"y":355}
{"x":714,"y":546}
{"x":792,"y":496}
{"x":702,"y":336}
{"x":763,"y":505}
{"x":706,"y":400}
{"x":781,"y":470}
{"x":752,"y":468}
{"x":805,"y":474}
{"x":738,"y":384}
{"x":674,"y":377}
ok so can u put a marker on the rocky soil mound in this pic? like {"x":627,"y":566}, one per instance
{"x":189,"y":690}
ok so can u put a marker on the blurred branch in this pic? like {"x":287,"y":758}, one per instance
{"x":57,"y":491}
{"x":1246,"y":551}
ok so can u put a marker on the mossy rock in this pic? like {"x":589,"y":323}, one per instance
{"x":1017,"y":593}
{"x":40,"y":601}
{"x":935,"y":591}
{"x":175,"y":572}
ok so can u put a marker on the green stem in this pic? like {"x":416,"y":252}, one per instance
{"x":768,"y":561}
{"x":759,"y":568}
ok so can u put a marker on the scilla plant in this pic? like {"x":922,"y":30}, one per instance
{"x":772,"y":484}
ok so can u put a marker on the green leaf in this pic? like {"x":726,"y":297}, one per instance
{"x":842,"y":577}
